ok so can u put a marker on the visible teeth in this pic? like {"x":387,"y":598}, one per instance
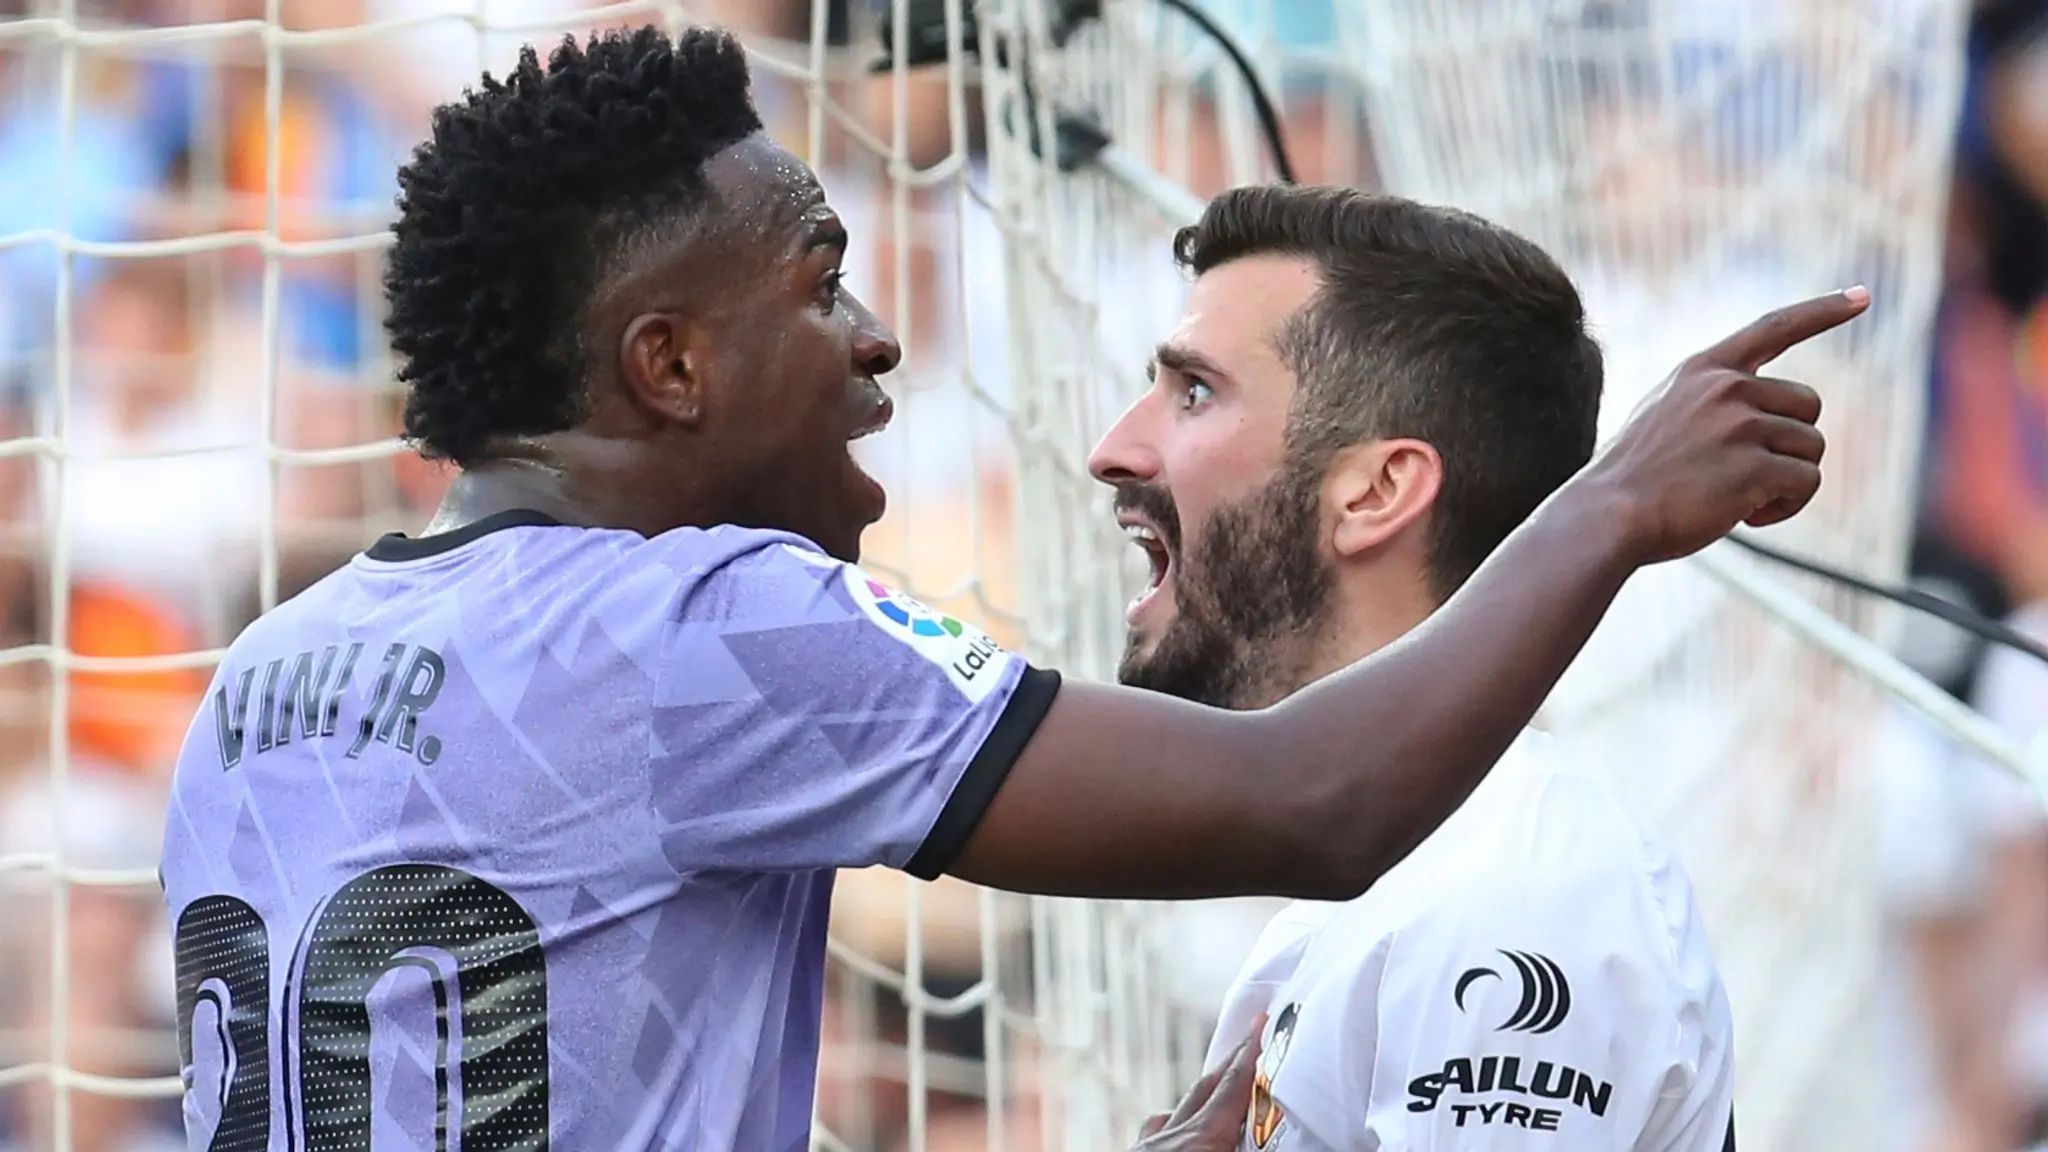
{"x":868,"y":429}
{"x":1141,"y":532}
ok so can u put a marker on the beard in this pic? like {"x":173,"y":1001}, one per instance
{"x":1252,"y":592}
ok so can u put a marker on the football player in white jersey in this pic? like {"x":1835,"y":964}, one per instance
{"x":1365,"y":396}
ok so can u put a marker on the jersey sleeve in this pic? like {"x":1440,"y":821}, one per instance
{"x":807,"y":716}
{"x":1568,"y":1010}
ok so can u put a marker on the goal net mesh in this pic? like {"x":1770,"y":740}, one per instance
{"x":1692,"y":165}
{"x":201,"y":417}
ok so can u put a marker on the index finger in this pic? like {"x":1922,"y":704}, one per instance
{"x":1767,"y":337}
{"x":1236,"y":1073}
{"x":1232,"y":1095}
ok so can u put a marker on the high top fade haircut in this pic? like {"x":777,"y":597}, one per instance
{"x":529,"y":194}
{"x":1430,"y":324}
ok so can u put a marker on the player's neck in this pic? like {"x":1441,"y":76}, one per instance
{"x":1363,"y":621}
{"x":576,"y":480}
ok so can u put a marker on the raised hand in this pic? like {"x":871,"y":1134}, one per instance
{"x":1717,"y":445}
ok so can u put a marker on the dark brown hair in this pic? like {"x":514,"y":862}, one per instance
{"x":1431,"y":324}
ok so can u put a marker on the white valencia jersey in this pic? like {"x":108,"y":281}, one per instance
{"x":1533,"y":976}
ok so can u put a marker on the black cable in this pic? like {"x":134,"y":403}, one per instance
{"x":1269,"y":119}
{"x":1078,"y":138}
{"x":1956,"y":614}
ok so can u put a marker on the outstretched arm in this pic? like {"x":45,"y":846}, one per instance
{"x":806,"y":717}
{"x":1132,"y":794}
{"x":1120,"y":793}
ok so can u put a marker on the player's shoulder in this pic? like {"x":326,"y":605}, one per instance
{"x":1548,"y":856}
{"x":538,"y":543}
{"x":505,"y":587}
{"x":742,"y":568}
{"x":743,"y":579}
{"x":687,"y":558}
{"x":713,"y":586}
{"x":1537,"y":822}
{"x":1276,"y":955}
{"x":731,"y":549}
{"x":1570,"y":825}
{"x":527,"y":567}
{"x":1588,"y":884}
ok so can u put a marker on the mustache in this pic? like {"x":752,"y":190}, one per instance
{"x":1154,"y":503}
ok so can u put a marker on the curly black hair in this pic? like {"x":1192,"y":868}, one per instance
{"x":523,"y":197}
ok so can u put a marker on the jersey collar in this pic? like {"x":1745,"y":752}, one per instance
{"x":397,"y":546}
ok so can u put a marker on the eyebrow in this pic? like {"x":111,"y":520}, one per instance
{"x":825,"y":234}
{"x":1184,"y":360}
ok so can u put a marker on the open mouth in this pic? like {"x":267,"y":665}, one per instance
{"x":874,"y":409}
{"x":1158,"y":558}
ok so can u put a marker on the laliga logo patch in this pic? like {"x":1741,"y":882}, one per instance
{"x":1266,"y":1114}
{"x":972,"y":661}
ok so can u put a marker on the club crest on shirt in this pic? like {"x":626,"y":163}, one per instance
{"x":972,"y":661}
{"x":1266,"y":1114}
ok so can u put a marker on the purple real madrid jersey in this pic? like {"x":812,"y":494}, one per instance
{"x":523,"y":836}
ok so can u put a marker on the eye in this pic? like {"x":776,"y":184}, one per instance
{"x":1195,"y":392}
{"x":829,"y":287}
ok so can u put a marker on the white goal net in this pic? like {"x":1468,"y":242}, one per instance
{"x":1693,"y":165}
{"x":200,"y":419}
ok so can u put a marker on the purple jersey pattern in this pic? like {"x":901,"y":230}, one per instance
{"x":524,"y":836}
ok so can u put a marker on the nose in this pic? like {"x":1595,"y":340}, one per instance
{"x":1127,"y":453}
{"x":875,"y":350}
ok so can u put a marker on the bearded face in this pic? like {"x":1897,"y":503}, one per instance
{"x":1228,"y":614}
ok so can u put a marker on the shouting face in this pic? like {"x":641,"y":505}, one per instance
{"x":1231,"y":528}
{"x":766,"y":357}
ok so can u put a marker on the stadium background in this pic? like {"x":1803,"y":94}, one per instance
{"x":169,"y":549}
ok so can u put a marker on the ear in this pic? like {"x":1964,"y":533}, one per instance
{"x":1378,"y":489}
{"x":664,"y":368}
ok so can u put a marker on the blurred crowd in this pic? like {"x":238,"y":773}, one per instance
{"x":226,"y":419}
